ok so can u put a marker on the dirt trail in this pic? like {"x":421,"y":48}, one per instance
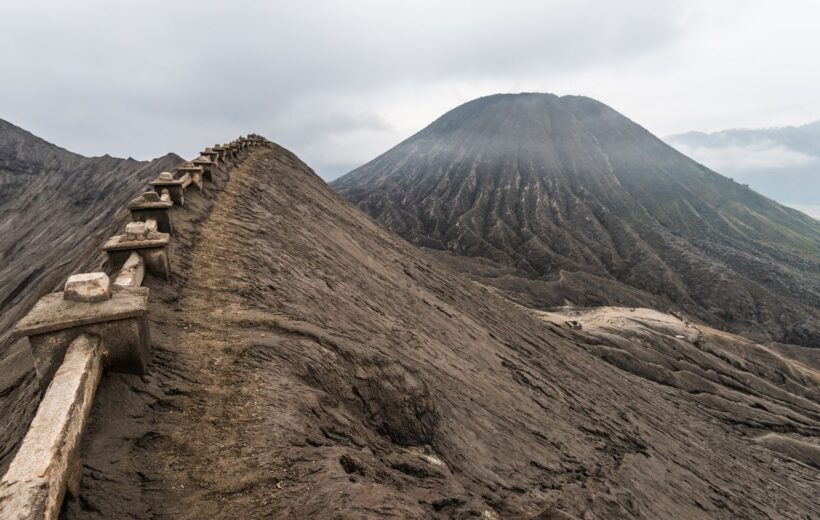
{"x":146,"y":435}
{"x":309,"y":364}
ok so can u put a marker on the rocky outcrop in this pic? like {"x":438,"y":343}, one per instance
{"x":561,"y":200}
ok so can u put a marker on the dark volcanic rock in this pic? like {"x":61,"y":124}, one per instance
{"x":562,"y":200}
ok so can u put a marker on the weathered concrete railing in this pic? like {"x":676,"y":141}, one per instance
{"x":207,"y":167}
{"x":47,"y":463}
{"x":144,"y":239}
{"x":211,"y":155}
{"x":195,"y":173}
{"x":150,"y":205}
{"x":73,"y":334}
{"x":132,"y":272}
{"x":221,"y":152}
{"x":91,"y":325}
{"x":166,"y":183}
{"x":87,"y":305}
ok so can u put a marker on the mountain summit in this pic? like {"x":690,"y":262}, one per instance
{"x":562,"y":200}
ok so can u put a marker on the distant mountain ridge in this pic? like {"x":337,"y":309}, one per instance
{"x":561,"y":200}
{"x":803,"y":138}
{"x":782,"y":163}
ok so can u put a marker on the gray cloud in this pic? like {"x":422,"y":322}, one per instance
{"x":762,"y":155}
{"x":338,"y":82}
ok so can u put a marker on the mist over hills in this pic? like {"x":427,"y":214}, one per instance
{"x":562,"y":200}
{"x":782,"y":163}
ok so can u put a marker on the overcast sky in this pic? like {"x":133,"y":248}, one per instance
{"x":339,"y":82}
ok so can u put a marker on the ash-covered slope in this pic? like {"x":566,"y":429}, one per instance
{"x":55,"y":207}
{"x":307,"y":363}
{"x":562,"y":200}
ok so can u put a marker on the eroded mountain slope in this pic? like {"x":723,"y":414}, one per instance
{"x":309,"y":364}
{"x":559,"y":200}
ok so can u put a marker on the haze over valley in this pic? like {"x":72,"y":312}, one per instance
{"x":781,"y":163}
